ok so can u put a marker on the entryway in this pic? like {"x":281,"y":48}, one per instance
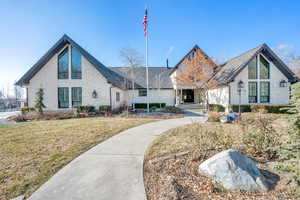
{"x":188,"y":96}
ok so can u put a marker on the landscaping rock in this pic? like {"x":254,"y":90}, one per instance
{"x":234,"y":170}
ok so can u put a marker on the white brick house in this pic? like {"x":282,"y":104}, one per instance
{"x":264,"y":76}
{"x":70,"y":77}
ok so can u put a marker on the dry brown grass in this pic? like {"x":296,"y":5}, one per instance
{"x":205,"y":140}
{"x":32,"y":152}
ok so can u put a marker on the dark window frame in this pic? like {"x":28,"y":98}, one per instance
{"x":143,"y":92}
{"x":75,"y":102}
{"x":256,"y":70}
{"x":68,"y":97}
{"x":118,"y":98}
{"x":252,"y":98}
{"x":76,"y":74}
{"x":63,"y":75}
{"x":264,"y":99}
{"x":260,"y":67}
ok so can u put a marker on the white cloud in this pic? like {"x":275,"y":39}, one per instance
{"x":289,"y":55}
{"x":283,"y":47}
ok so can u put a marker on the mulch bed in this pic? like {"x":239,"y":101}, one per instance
{"x":177,"y":178}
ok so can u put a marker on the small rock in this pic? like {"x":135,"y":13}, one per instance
{"x":234,"y":170}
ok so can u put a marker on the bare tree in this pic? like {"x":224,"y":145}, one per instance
{"x":197,"y":73}
{"x":18,"y":92}
{"x":131,"y":58}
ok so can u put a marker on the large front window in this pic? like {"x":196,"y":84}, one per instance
{"x":252,"y":69}
{"x":259,"y":73}
{"x":63,"y":65}
{"x":252,"y":92}
{"x":63,"y":97}
{"x":264,"y":68}
{"x":76,"y":96}
{"x":76,"y":64}
{"x":264,"y":92}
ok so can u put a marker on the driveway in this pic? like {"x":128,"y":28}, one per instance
{"x":4,"y":115}
{"x":112,"y":170}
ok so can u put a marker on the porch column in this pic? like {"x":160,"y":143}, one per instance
{"x":180,"y":100}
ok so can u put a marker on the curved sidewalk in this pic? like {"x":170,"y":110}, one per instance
{"x":112,"y":170}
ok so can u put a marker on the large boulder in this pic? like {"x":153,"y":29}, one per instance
{"x":234,"y":170}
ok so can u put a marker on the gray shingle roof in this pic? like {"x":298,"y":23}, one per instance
{"x":112,"y":77}
{"x":230,"y":69}
{"x":139,"y":74}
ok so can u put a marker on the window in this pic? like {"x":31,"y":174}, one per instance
{"x":63,"y":65}
{"x":264,"y":68}
{"x":76,"y":96}
{"x":76,"y":64}
{"x":264,"y":92}
{"x":252,"y":92}
{"x":189,"y":58}
{"x":63,"y":97}
{"x":142,"y":92}
{"x":193,"y":54}
{"x":117,"y":96}
{"x":252,"y":69}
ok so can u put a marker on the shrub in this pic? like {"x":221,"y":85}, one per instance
{"x":216,"y":108}
{"x":105,"y":108}
{"x":244,"y":108}
{"x":260,"y":137}
{"x":172,"y":109}
{"x":277,"y":109}
{"x":85,"y":109}
{"x":291,"y":155}
{"x":25,"y":110}
{"x":151,"y":105}
{"x":39,"y":101}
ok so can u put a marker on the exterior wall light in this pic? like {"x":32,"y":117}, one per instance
{"x":283,"y":83}
{"x":94,"y":94}
{"x":240,"y":84}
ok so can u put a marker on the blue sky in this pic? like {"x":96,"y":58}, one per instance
{"x":223,"y":29}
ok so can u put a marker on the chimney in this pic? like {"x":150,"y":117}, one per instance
{"x":167,"y":63}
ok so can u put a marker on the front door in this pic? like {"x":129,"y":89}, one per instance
{"x":188,"y":96}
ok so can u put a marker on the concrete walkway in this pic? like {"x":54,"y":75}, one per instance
{"x":112,"y":170}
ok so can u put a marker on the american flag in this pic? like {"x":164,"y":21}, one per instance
{"x":145,"y":22}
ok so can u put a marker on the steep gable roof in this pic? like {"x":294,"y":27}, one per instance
{"x":112,"y":77}
{"x":230,"y":69}
{"x":195,"y":48}
{"x":139,"y":76}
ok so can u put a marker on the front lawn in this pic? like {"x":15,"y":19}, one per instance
{"x":31,"y":152}
{"x":259,"y":136}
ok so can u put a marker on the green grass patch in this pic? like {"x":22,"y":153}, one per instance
{"x":32,"y":152}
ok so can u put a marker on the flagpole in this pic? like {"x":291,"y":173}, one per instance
{"x":147,"y":72}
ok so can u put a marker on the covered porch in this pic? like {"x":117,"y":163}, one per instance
{"x":188,"y":96}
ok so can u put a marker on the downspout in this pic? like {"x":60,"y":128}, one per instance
{"x":27,"y":103}
{"x":110,"y":99}
{"x":229,"y":98}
